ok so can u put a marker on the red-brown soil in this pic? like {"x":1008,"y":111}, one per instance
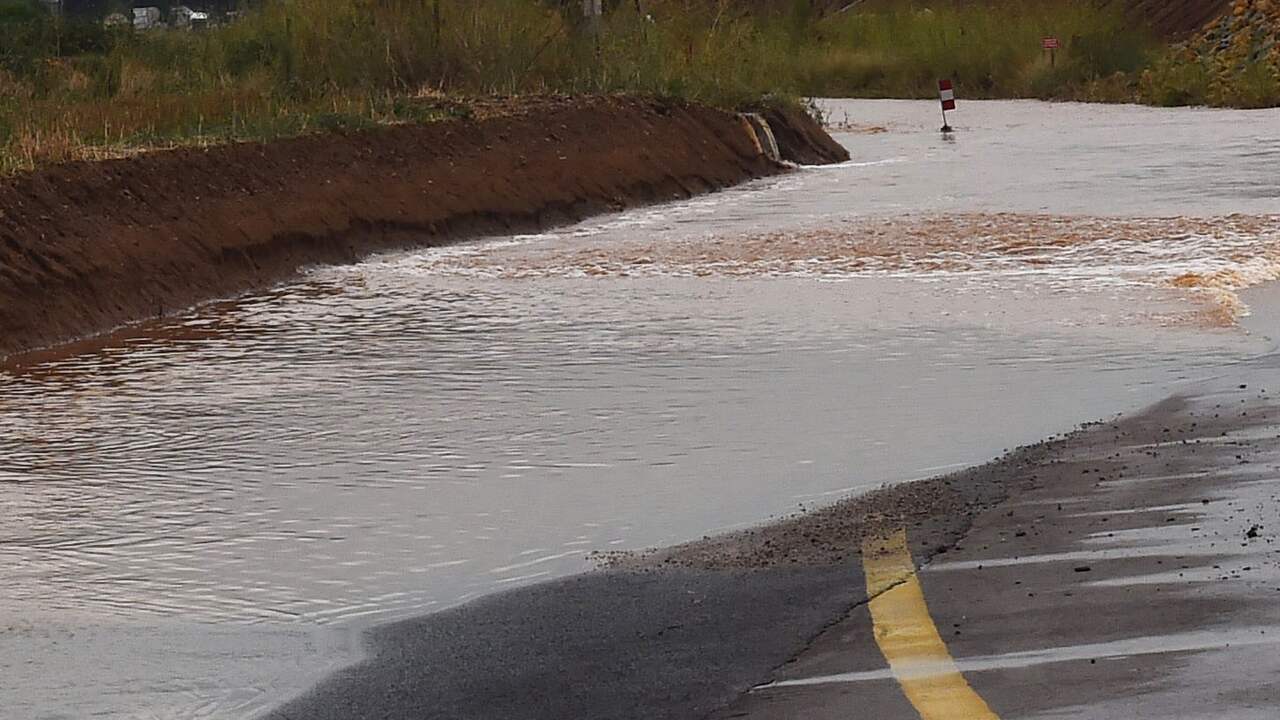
{"x":85,"y":247}
{"x":800,"y":139}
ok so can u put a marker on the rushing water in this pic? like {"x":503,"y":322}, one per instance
{"x":201,"y":516}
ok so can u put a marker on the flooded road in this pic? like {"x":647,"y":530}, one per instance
{"x":202,"y":517}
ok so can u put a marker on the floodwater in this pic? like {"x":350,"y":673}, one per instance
{"x":201,"y":517}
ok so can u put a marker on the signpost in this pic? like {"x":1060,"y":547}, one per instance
{"x":1051,"y":45}
{"x":948,"y":96}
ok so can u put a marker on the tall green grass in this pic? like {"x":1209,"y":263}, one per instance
{"x":988,"y":49}
{"x":72,"y":89}
{"x":295,"y":65}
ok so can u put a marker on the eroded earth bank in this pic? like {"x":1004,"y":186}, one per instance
{"x":86,"y":247}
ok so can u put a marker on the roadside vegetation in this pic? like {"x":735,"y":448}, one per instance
{"x":990,"y":50}
{"x":1234,"y":61}
{"x":72,"y":88}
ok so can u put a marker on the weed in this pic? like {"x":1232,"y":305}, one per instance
{"x":73,"y":89}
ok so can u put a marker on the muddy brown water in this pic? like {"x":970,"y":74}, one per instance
{"x":202,"y":517}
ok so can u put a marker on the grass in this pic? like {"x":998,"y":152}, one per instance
{"x":292,"y":67}
{"x":72,"y":89}
{"x":988,"y":49}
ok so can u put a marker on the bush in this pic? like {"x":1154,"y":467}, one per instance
{"x":1174,"y":82}
{"x":989,"y":49}
{"x":26,"y":35}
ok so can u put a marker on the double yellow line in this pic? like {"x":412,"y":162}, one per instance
{"x":909,"y":640}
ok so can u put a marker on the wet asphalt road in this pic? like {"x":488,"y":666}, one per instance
{"x":671,"y":644}
{"x":1134,"y":575}
{"x":1127,"y":570}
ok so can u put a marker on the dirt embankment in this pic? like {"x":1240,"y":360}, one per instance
{"x":800,"y":139}
{"x":86,"y":247}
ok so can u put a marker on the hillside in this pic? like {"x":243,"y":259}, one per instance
{"x":1175,"y":17}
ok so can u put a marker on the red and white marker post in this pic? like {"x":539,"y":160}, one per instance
{"x":948,"y":96}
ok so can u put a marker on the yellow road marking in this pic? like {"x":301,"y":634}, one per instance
{"x":908,"y":638}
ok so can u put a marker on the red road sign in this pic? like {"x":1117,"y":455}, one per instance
{"x":1050,"y":43}
{"x":947,"y":94}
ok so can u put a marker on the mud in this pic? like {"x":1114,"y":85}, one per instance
{"x":87,"y":247}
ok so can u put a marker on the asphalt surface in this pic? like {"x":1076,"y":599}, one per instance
{"x":670,"y":644}
{"x":1127,"y":570}
{"x":677,"y":633}
{"x":1134,"y":575}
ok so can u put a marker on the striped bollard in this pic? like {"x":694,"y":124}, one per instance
{"x":948,"y":96}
